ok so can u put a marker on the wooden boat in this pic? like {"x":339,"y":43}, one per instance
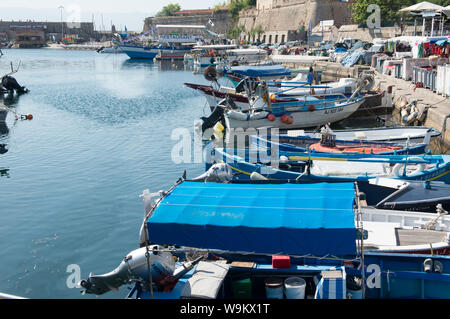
{"x":307,"y":112}
{"x":304,"y":143}
{"x":223,"y":233}
{"x":291,"y":139}
{"x":334,"y":167}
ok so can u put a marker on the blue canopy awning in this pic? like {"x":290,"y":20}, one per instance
{"x":293,"y":219}
{"x":260,"y":70}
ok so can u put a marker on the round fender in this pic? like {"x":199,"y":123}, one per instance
{"x":398,"y":168}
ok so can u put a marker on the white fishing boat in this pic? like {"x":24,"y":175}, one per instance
{"x":234,"y":57}
{"x":205,"y":55}
{"x":300,"y":112}
{"x":110,"y":50}
{"x":310,"y":112}
{"x":391,"y":231}
{"x":415,"y":134}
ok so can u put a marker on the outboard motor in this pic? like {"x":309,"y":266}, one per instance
{"x":215,"y":116}
{"x":218,"y":173}
{"x":134,"y":268}
{"x":11,"y":84}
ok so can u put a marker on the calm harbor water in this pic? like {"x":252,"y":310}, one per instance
{"x":70,"y":183}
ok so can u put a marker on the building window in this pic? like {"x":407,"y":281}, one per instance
{"x":276,"y":38}
{"x":270,"y":39}
{"x":283,"y":38}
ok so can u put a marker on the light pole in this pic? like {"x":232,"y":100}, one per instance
{"x":62,"y":25}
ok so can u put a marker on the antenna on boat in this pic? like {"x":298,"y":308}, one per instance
{"x":12,"y":69}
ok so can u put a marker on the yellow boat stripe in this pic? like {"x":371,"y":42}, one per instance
{"x":246,"y":173}
{"x":432,"y":179}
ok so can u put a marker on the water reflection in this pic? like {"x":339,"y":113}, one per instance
{"x":10,"y":99}
{"x":138,"y":64}
{"x":4,"y":130}
{"x":175,"y":65}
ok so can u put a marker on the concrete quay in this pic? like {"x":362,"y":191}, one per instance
{"x":437,"y":107}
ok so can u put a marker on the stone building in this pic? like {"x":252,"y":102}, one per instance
{"x":287,"y":20}
{"x":38,"y":32}
{"x":215,"y":20}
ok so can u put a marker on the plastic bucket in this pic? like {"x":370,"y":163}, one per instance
{"x":295,"y":288}
{"x":274,"y":288}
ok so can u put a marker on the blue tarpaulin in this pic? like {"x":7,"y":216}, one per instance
{"x":352,"y":58}
{"x":294,"y":219}
{"x":260,"y":70}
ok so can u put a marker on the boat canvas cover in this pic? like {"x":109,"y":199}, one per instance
{"x":292,"y":219}
{"x":260,"y":71}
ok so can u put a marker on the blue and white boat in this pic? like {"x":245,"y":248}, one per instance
{"x":138,"y":51}
{"x":306,"y":143}
{"x":230,"y":240}
{"x":332,"y":167}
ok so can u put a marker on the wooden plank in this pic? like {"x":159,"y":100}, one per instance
{"x":243,"y":264}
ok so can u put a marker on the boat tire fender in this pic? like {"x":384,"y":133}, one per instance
{"x":398,"y":168}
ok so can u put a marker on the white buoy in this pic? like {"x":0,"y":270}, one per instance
{"x":257,"y":177}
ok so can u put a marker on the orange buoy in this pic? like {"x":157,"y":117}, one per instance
{"x":29,"y":116}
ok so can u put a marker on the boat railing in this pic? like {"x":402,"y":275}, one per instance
{"x":241,"y":155}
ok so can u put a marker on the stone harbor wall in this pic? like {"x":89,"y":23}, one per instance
{"x":287,"y":20}
{"x":221,"y":19}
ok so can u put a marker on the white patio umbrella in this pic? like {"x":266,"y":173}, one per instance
{"x":424,"y":8}
{"x":446,"y":10}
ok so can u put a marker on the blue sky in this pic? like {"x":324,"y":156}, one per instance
{"x":129,"y":12}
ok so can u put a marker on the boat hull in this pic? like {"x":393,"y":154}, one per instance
{"x":245,"y":169}
{"x":135,"y":52}
{"x":302,"y":119}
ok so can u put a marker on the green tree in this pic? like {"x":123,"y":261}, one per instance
{"x":389,"y":8}
{"x":237,"y":6}
{"x":219,"y":6}
{"x":259,"y":30}
{"x":169,"y":10}
{"x":236,"y":31}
